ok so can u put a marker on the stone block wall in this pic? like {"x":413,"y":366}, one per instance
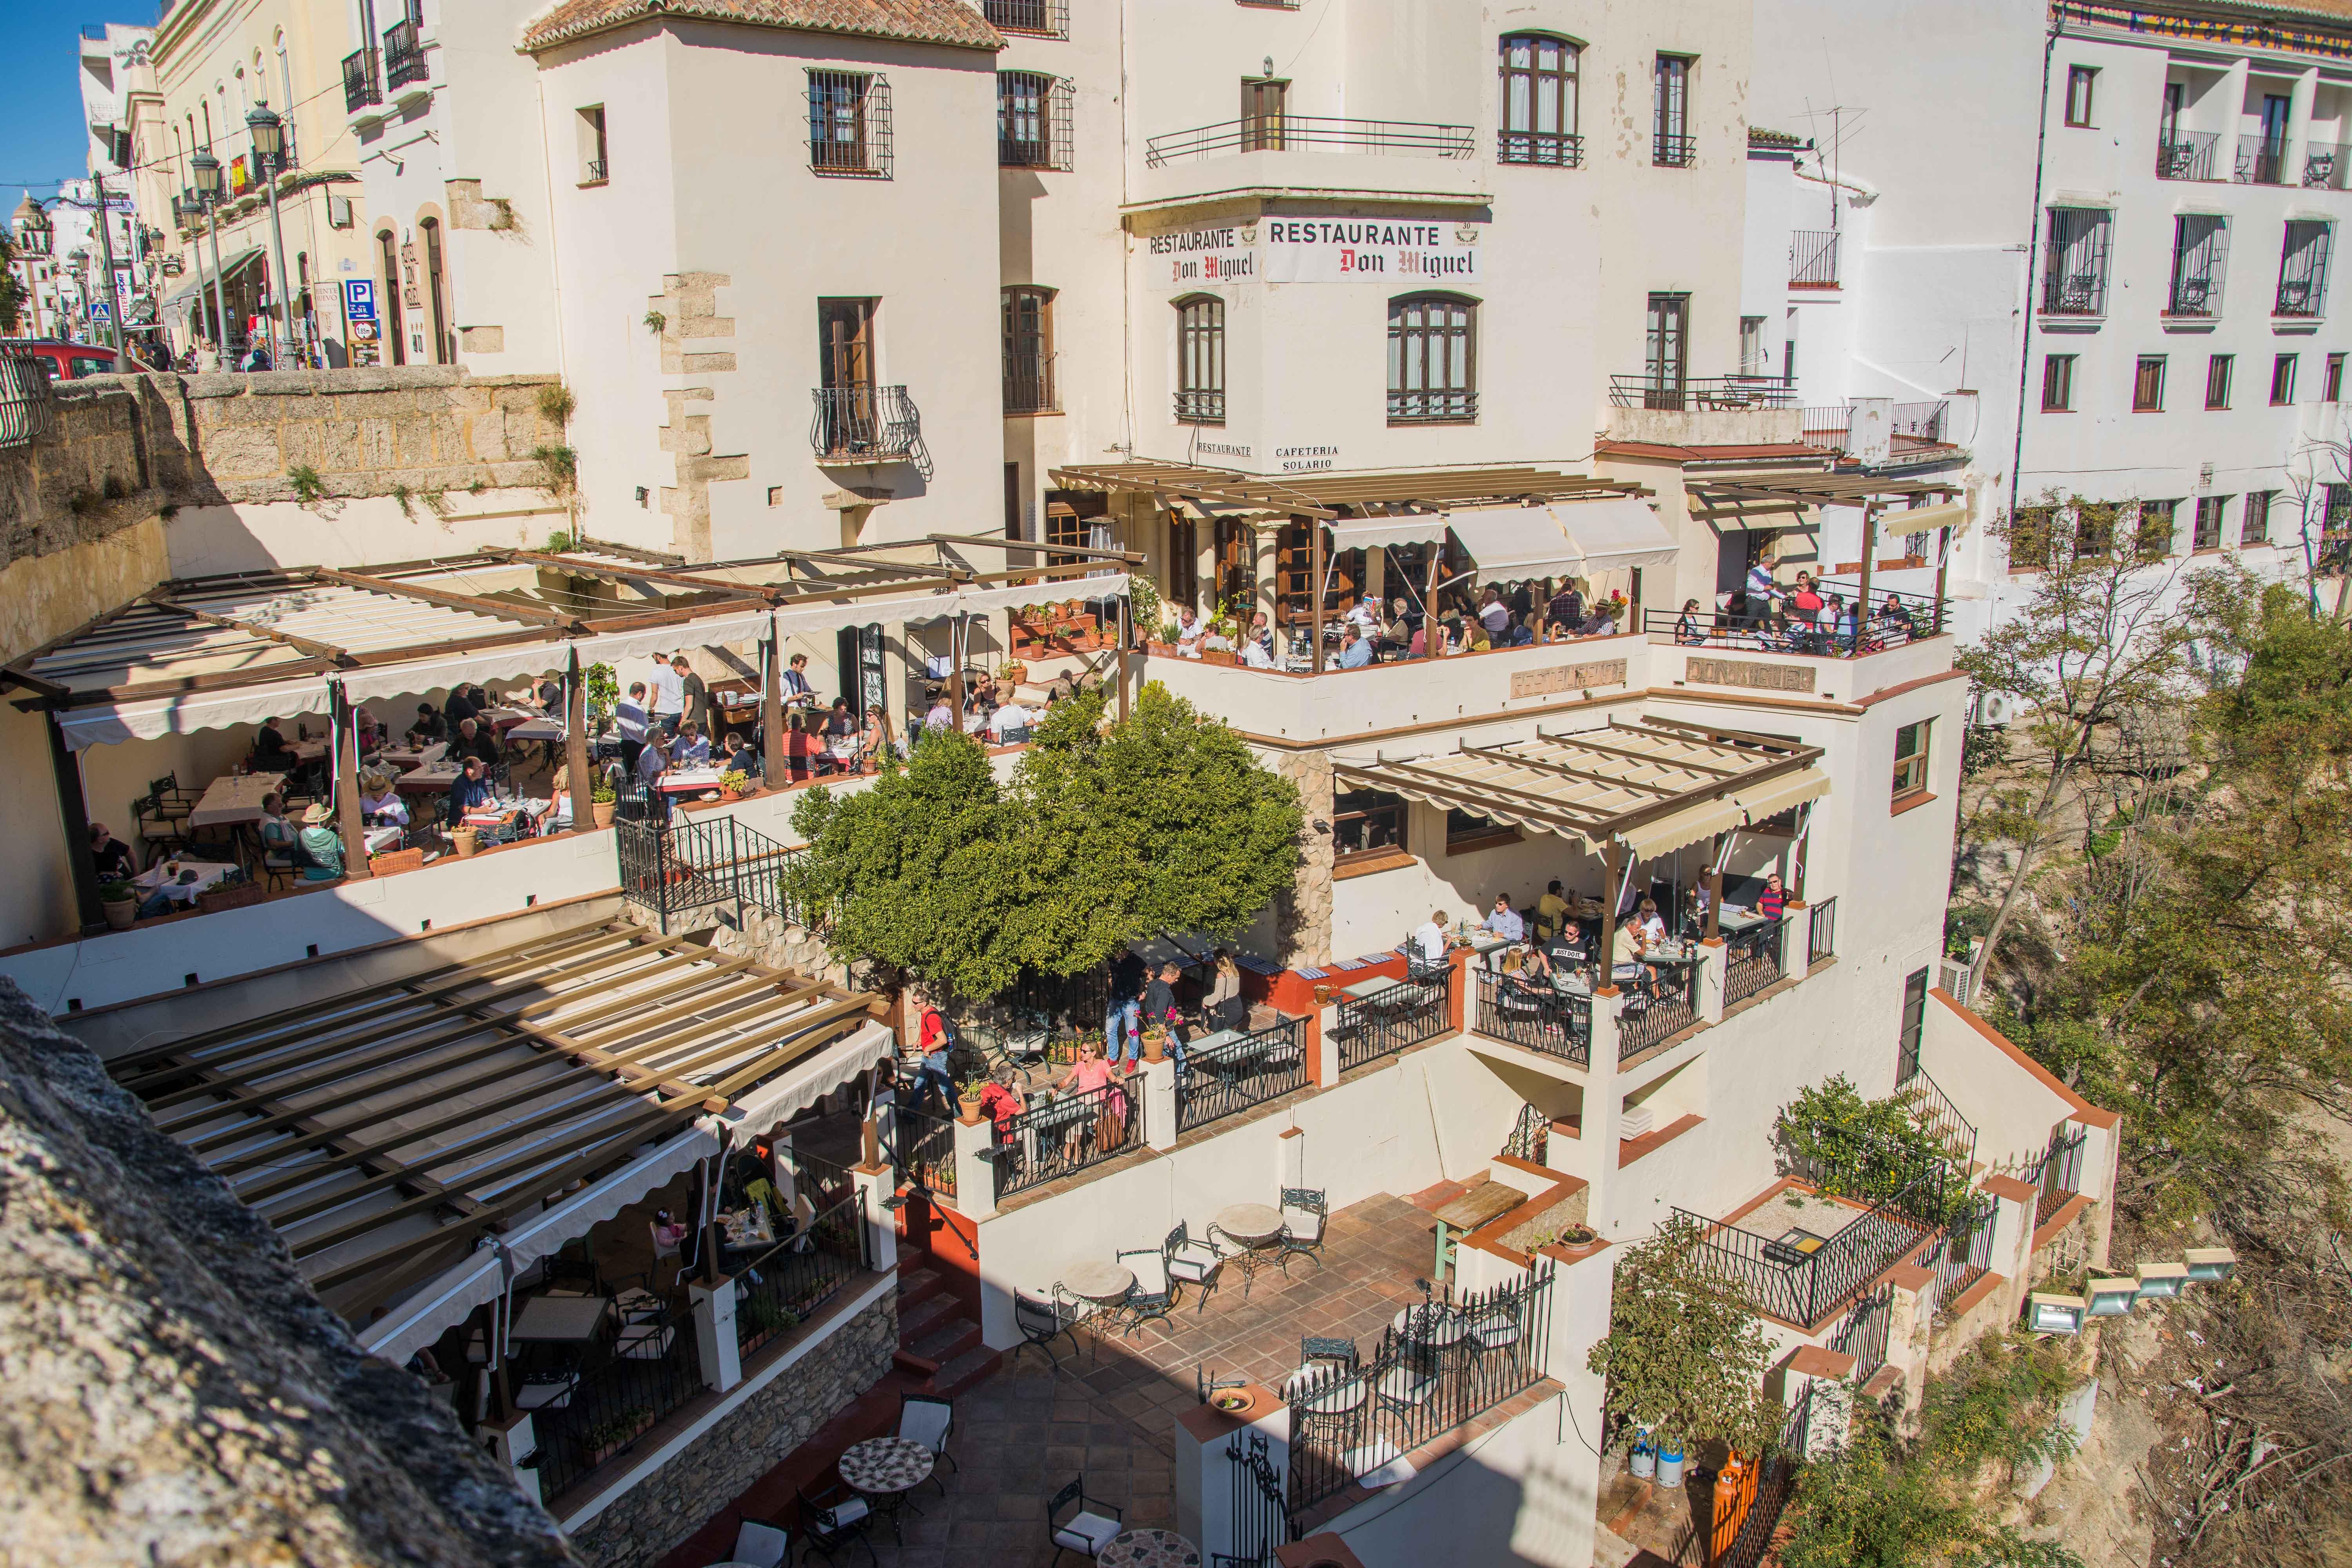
{"x":1304,"y":912}
{"x":647,"y":1522}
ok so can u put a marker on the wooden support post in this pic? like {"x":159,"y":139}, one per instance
{"x":1943,"y":551}
{"x":775,"y":767}
{"x":955,"y":670}
{"x":1604,"y":958}
{"x":1715,"y":890}
{"x":75,"y":814}
{"x":1862,"y":610}
{"x":347,"y":783}
{"x":575,"y":749}
{"x":1433,"y":642}
{"x":1797,"y":858}
{"x":1315,"y":587}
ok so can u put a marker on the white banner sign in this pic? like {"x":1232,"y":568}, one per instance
{"x":1318,"y":250}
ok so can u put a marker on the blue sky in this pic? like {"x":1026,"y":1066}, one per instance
{"x":40,"y":113}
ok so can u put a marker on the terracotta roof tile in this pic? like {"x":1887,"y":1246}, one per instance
{"x":1758,"y":136}
{"x":945,"y":22}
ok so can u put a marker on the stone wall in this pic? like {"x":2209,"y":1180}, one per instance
{"x":1304,"y":912}
{"x":647,"y":1522}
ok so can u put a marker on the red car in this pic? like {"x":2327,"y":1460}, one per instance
{"x":67,"y":362}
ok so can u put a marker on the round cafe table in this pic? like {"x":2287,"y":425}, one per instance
{"x":881,"y":1466}
{"x":1150,"y":1549}
{"x":1104,"y":1284}
{"x":1253,"y":1222}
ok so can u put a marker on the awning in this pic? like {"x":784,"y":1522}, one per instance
{"x":1664,"y":834}
{"x":760,"y":1113}
{"x":1617,"y":532}
{"x":1381,"y":533}
{"x":160,"y":716}
{"x":1925,"y":519}
{"x":606,"y":1197}
{"x":437,"y":1307}
{"x":1768,"y":800}
{"x":201,"y":279}
{"x":1512,"y":542}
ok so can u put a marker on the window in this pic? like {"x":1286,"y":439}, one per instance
{"x":1029,"y":350}
{"x":2201,"y":249}
{"x":850,"y":421}
{"x":2094,"y":530}
{"x":1752,"y":358}
{"x":1366,"y":821}
{"x":2152,"y":537}
{"x":2282,"y":381}
{"x":589,"y":128}
{"x":1032,"y":121}
{"x":2262,"y":159}
{"x":2254,"y":522}
{"x":1671,"y":145}
{"x":2079,"y":82}
{"x":1200,"y":360}
{"x":1432,"y":359}
{"x":2207,"y":533}
{"x":1914,"y":1026}
{"x":2217,"y":380}
{"x":1183,"y":583}
{"x":1665,"y":351}
{"x":1911,"y":760}
{"x":445,"y":341}
{"x":2332,"y":384}
{"x":1466,"y":833}
{"x":849,"y":123}
{"x":1264,"y":114}
{"x":389,"y":245}
{"x":1048,"y":18}
{"x":2029,"y":538}
{"x":2302,"y":270}
{"x":2057,"y":383}
{"x":2335,"y":531}
{"x":1538,"y":120}
{"x":2075,"y":262}
{"x":2147,"y":385}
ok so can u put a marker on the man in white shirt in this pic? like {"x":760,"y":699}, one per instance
{"x":692,"y":748}
{"x":1188,"y":633}
{"x":1494,"y":615}
{"x":1363,"y":617}
{"x":1426,"y":948}
{"x":669,"y":696}
{"x":1257,"y":653}
{"x":1012,"y":716}
{"x":797,"y":691}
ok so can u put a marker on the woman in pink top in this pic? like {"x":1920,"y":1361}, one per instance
{"x":1091,"y":1071}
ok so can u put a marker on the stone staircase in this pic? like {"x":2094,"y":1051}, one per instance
{"x":939,"y":1341}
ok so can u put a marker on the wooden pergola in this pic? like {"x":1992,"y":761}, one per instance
{"x":1739,"y":499}
{"x":384,"y":1130}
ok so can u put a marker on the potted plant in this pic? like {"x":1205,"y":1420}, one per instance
{"x":600,"y":800}
{"x":467,"y":841}
{"x":738,"y":784}
{"x":1576,"y":1240}
{"x":120,"y":900}
{"x":968,"y":1095}
{"x":1013,"y":671}
{"x":608,"y":1437}
{"x":1155,"y":1041}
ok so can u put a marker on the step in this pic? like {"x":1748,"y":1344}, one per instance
{"x":946,"y":1340}
{"x":926,"y":1315}
{"x":919,"y":1284}
{"x":965,"y":1370}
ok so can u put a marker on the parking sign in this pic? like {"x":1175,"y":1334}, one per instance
{"x":359,"y":299}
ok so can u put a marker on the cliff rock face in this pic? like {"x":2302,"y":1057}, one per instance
{"x":171,"y":1391}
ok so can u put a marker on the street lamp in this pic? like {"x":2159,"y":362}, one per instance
{"x":30,"y":226}
{"x":268,"y":135}
{"x":207,"y":171}
{"x":186,"y":213}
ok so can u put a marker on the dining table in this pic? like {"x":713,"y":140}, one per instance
{"x":433,"y":779}
{"x":560,"y":1319}
{"x":1102,"y":1283}
{"x":233,"y":800}
{"x":689,"y":781}
{"x":1150,"y":1549}
{"x":171,"y":879}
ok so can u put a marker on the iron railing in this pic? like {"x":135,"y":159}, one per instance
{"x":1820,"y":931}
{"x":1049,"y":18}
{"x":1703,"y":393}
{"x":28,"y":399}
{"x":1200,"y":407}
{"x":1914,"y":617}
{"x":927,"y":1149}
{"x":1554,"y":148}
{"x":1061,"y":1137}
{"x":1754,"y":959}
{"x":1530,"y":1138}
{"x":1922,"y":421}
{"x":1861,"y":1333}
{"x":1813,"y":258}
{"x":1776,"y":1483}
{"x":1260,"y":1519}
{"x":2057,"y":1173}
{"x":867,"y":424}
{"x":403,"y":55}
{"x":1029,"y":384}
{"x":2186,"y":154}
{"x":1390,"y":1020}
{"x":1644,"y":1022}
{"x":1264,"y":1064}
{"x":1458,"y":1358}
{"x":2195,"y":292}
{"x":2326,"y":164}
{"x":784,"y":1286}
{"x":692,"y":863}
{"x":2298,"y":297}
{"x":595,"y":170}
{"x":363,"y":83}
{"x":1534,"y":1014}
{"x":1963,"y":1252}
{"x":610,"y":1409}
{"x":1825,"y":419}
{"x":1937,"y":1117}
{"x":1431,"y":405}
{"x":825,"y":1183}
{"x":1674,"y":152}
{"x":2261,"y":161}
{"x":1797,"y":1285}
{"x":1310,"y":134}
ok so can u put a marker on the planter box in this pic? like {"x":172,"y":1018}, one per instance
{"x":392,"y":860}
{"x":229,"y":897}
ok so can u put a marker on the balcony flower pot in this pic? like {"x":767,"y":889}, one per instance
{"x":1013,"y":670}
{"x":1322,"y":995}
{"x":120,"y":904}
{"x":392,"y":860}
{"x":465,"y":841}
{"x":968,"y":1100}
{"x":1155,"y":1045}
{"x":1576,"y":1241}
{"x":1219,"y":656}
{"x":601,"y":811}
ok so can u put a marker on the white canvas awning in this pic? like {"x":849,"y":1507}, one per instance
{"x":763,"y":1109}
{"x":1512,"y":542}
{"x":1616,"y":532}
{"x":435,"y":1307}
{"x":1381,"y":533}
{"x":599,"y":1201}
{"x":1768,"y":800}
{"x":159,"y":716}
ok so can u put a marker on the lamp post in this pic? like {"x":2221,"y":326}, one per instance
{"x":185,"y":209}
{"x":106,"y":259}
{"x":208,"y":192}
{"x":78,"y":258}
{"x":32,"y":240}
{"x":268,"y":135}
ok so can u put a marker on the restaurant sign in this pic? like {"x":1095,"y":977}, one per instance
{"x":1320,"y":250}
{"x":1568,"y":678}
{"x":1755,"y":677}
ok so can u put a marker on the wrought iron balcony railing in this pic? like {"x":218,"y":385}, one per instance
{"x":2297,"y":296}
{"x":1047,"y":18}
{"x":1310,"y":134}
{"x":1557,"y":149}
{"x":2261,"y":161}
{"x":2326,"y":165}
{"x":403,"y":55}
{"x":2186,"y":156}
{"x":1198,"y":407}
{"x":867,"y":424}
{"x":2075,"y":294}
{"x":1029,"y":384}
{"x":1674,"y":152}
{"x":1813,"y":258}
{"x":2196,"y":294}
{"x":1703,"y":394}
{"x":1407,"y":408}
{"x":361,"y":83}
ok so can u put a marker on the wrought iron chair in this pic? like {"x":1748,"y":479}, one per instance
{"x":1192,"y":1262}
{"x":161,"y":835}
{"x":836,"y":1517}
{"x":1154,"y":1292}
{"x":171,"y":802}
{"x":1091,"y":1526}
{"x":926,"y":1419}
{"x":1042,"y":1321}
{"x":762,"y":1544}
{"x":1303,"y":1217}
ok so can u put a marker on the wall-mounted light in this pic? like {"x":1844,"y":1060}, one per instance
{"x":641,"y":494}
{"x":2211,"y":1265}
{"x":2052,"y":1314}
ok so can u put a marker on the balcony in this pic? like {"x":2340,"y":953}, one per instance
{"x":1309,"y":134}
{"x":2299,"y":297}
{"x":2326,"y":165}
{"x":1200,"y":407}
{"x":2196,"y":295}
{"x":1703,"y":394}
{"x":1551,"y":149}
{"x":1029,"y":385}
{"x":1428,"y":406}
{"x":362,"y":84}
{"x":1043,"y":18}
{"x":1674,"y":152}
{"x":2261,"y":161}
{"x":1813,"y":258}
{"x":867,"y":424}
{"x":2186,"y":154}
{"x":404,"y":55}
{"x":2075,"y":294}
{"x":1799,"y":1257}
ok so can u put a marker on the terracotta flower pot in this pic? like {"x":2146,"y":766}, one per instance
{"x":1015,"y":671}
{"x":601,"y":811}
{"x":120,"y":912}
{"x":467,"y":841}
{"x":1155,"y":1048}
{"x":1322,"y":995}
{"x":970,"y":1105}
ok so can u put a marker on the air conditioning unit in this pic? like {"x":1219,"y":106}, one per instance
{"x":1953,"y":976}
{"x":1995,"y":710}
{"x":339,"y":212}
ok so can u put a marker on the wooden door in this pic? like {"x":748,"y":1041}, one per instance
{"x":1263,"y":113}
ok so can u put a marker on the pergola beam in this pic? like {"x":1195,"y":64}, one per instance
{"x":327,"y":651}
{"x":625,"y":576}
{"x":497,"y":607}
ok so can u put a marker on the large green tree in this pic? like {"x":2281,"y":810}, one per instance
{"x":1684,"y":1355}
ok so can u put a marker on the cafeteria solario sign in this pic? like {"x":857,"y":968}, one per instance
{"x":1318,"y":250}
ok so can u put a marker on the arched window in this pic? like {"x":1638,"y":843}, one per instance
{"x":1200,"y":360}
{"x":1432,"y":359}
{"x":1537,"y":123}
{"x":1029,"y":350}
{"x":445,"y":341}
{"x":395,"y":344}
